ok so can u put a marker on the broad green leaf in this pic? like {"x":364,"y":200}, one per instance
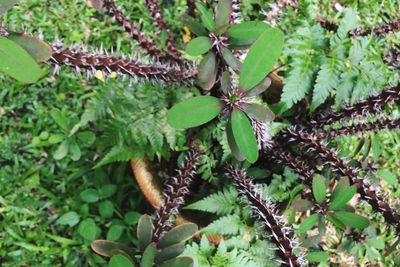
{"x":302,"y":205}
{"x":198,"y":46}
{"x":144,"y":231}
{"x":194,"y":26}
{"x":319,"y":188}
{"x":39,"y":50}
{"x":231,"y":60}
{"x":75,"y":151}
{"x":389,"y":177}
{"x":223,"y":12}
{"x":89,"y":195}
{"x":5,"y":5}
{"x":86,"y":137}
{"x":59,"y":117}
{"x":376,"y":243}
{"x":335,"y":221}
{"x":169,"y":253}
{"x":106,"y":209}
{"x":308,"y":223}
{"x":61,"y":151}
{"x":108,"y":248}
{"x":341,"y":199}
{"x":207,"y":71}
{"x":70,"y":218}
{"x":317,"y":256}
{"x":261,"y":58}
{"x":244,"y":135}
{"x":206,"y":16}
{"x":115,"y":232}
{"x":225,"y":82}
{"x":258,"y":112}
{"x":259,"y":88}
{"x":246,"y":33}
{"x":107,"y":190}
{"x":177,"y":234}
{"x":342,"y":185}
{"x":194,"y":112}
{"x":352,"y":220}
{"x":88,"y":229}
{"x":232,"y":143}
{"x":178,"y":262}
{"x":148,"y":256}
{"x":120,"y":261}
{"x":17,"y":63}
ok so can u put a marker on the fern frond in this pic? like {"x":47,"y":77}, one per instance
{"x":226,"y":225}
{"x":116,"y":154}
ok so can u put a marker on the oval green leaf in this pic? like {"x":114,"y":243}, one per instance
{"x":317,"y":256}
{"x":319,"y":188}
{"x":206,"y":16}
{"x":244,"y":135}
{"x":194,"y":112}
{"x":39,"y":50}
{"x":148,"y":256}
{"x":231,"y":60}
{"x":352,"y":220}
{"x":169,"y":253}
{"x":308,"y":223}
{"x":225,"y":82}
{"x":120,"y":261}
{"x":207,"y":71}
{"x":144,"y":231}
{"x":342,"y":185}
{"x":17,"y":63}
{"x":335,"y":221}
{"x":341,"y":200}
{"x":232,"y":144}
{"x":261,"y":58}
{"x":245,"y":34}
{"x":178,"y":234}
{"x":258,"y":112}
{"x":198,"y":46}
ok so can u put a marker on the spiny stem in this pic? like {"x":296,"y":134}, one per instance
{"x":358,"y":128}
{"x":312,"y":143}
{"x":373,"y":104}
{"x":264,"y":211}
{"x":109,"y":64}
{"x":159,"y":22}
{"x":176,"y":189}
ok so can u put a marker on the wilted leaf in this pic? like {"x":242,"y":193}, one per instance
{"x":352,"y":220}
{"x":97,"y":4}
{"x":319,"y":188}
{"x":207,"y":71}
{"x":246,"y":33}
{"x":198,"y":46}
{"x":258,"y":112}
{"x":177,"y":234}
{"x":39,"y":50}
{"x":261,"y":57}
{"x":110,"y":248}
{"x":194,"y":112}
{"x":244,"y":135}
{"x":17,"y":63}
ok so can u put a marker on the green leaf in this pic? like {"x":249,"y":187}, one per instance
{"x":145,"y":231}
{"x":342,"y":185}
{"x":177,"y":234}
{"x":335,"y":221}
{"x":39,"y":50}
{"x":389,"y":177}
{"x":110,"y":248}
{"x":75,"y":151}
{"x":89,"y":195}
{"x":88,"y":229}
{"x":232,"y":143}
{"x":194,"y":112}
{"x":106,"y":209}
{"x":70,"y":218}
{"x":120,"y":261}
{"x":198,"y":46}
{"x":17,"y":63}
{"x":59,"y":117}
{"x":223,"y":12}
{"x":86,"y":137}
{"x":376,"y":148}
{"x":178,"y":262}
{"x":261,"y":58}
{"x":61,"y":151}
{"x":206,"y":16}
{"x":308,"y":223}
{"x":246,"y":33}
{"x":148,"y":256}
{"x":225,"y":82}
{"x":352,"y":220}
{"x":317,"y":256}
{"x":244,"y":135}
{"x":107,"y":190}
{"x":341,"y":199}
{"x":230,"y":59}
{"x":376,"y":243}
{"x":169,"y":253}
{"x":207,"y":71}
{"x":319,"y":188}
{"x":5,"y":5}
{"x":259,"y":88}
{"x":302,"y":205}
{"x":258,"y":112}
{"x":194,"y":26}
{"x":115,"y":232}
